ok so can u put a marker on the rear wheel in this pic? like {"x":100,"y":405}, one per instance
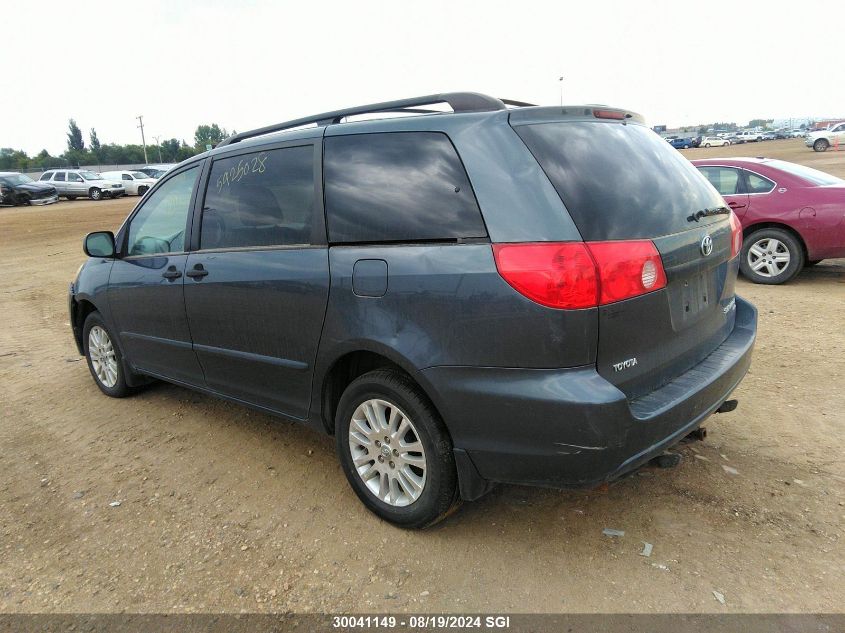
{"x":71,"y":197}
{"x":707,"y":145}
{"x":821,"y":145}
{"x":395,"y":450}
{"x":771,"y":256}
{"x":95,"y":194}
{"x":142,"y":190}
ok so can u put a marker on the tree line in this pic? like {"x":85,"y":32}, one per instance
{"x":97,"y":153}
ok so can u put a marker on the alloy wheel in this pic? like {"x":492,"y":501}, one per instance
{"x":103,"y":359}
{"x":387,"y":452}
{"x":768,"y":257}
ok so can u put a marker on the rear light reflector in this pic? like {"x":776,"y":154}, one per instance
{"x":554,"y":274}
{"x":573,"y":275}
{"x":736,"y":235}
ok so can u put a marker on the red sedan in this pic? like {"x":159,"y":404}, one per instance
{"x":792,"y":216}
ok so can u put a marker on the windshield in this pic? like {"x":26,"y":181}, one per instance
{"x":620,"y":181}
{"x":138,"y":174}
{"x":90,"y":175}
{"x":16,"y":179}
{"x":807,"y":173}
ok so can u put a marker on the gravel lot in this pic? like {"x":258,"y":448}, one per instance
{"x":225,"y":509}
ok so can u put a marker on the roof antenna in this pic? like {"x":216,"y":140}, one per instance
{"x":560,"y":81}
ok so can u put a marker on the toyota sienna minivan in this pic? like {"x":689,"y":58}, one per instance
{"x":498,"y":293}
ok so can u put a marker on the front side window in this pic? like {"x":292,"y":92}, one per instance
{"x":159,"y":226}
{"x":758,"y":184}
{"x":263,"y":198}
{"x":126,"y":177}
{"x":74,"y":177}
{"x":90,"y":175}
{"x":46,"y":175}
{"x":724,"y":179}
{"x":399,"y":186}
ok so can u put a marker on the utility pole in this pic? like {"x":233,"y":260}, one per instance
{"x":158,"y":142}
{"x":560,"y":81}
{"x":140,"y":118}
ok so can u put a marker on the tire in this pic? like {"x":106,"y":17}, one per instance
{"x":22,"y":201}
{"x":95,"y":194}
{"x":71,"y":197}
{"x":727,"y":142}
{"x":430,"y":473}
{"x":821,"y":145}
{"x":707,"y":145}
{"x":104,"y":361}
{"x":686,"y":146}
{"x":761,"y":250}
{"x":142,"y":190}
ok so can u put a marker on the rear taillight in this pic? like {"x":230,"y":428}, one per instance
{"x":627,"y":269}
{"x":736,"y":235}
{"x":575,"y":275}
{"x":554,"y":274}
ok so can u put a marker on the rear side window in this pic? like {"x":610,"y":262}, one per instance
{"x":397,"y":187}
{"x":260,"y":199}
{"x":620,"y":181}
{"x":758,"y":184}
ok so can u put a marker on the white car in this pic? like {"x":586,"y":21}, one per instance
{"x":750,"y":137}
{"x":136,"y":183}
{"x":713,"y":141}
{"x":822,"y":139}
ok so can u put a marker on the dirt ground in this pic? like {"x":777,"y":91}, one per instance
{"x":225,"y":509}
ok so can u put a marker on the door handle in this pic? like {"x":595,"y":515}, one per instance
{"x":198,"y":272}
{"x":735,"y":205}
{"x":171,"y":273}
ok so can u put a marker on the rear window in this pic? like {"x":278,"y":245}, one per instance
{"x":397,"y":187}
{"x":620,"y":181}
{"x":807,"y":173}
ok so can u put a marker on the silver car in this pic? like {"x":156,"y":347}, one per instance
{"x":82,"y":183}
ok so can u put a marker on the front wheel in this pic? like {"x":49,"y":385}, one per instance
{"x":142,"y":190}
{"x":821,"y":145}
{"x":95,"y":193}
{"x":771,"y":256}
{"x":395,"y":450}
{"x":707,"y":145}
{"x":71,"y":197}
{"x":103,"y":356}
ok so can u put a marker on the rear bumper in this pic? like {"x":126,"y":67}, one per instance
{"x":572,"y":428}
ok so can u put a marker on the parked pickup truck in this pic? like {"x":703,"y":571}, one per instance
{"x":749,"y":137}
{"x":822,"y":139}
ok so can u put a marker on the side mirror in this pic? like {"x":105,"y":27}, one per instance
{"x":99,"y":244}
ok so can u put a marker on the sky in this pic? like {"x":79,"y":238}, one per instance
{"x":245,"y":64}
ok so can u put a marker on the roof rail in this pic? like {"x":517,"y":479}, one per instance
{"x":458,"y":101}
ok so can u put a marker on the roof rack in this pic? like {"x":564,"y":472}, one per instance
{"x":458,"y":101}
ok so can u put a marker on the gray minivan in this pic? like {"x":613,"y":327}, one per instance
{"x":500,"y":293}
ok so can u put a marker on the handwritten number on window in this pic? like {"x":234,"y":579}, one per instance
{"x":254,"y":165}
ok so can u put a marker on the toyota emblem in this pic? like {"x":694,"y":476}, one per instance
{"x":706,"y":245}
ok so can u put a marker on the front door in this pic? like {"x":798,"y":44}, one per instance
{"x":146,"y":284}
{"x":257,"y":287}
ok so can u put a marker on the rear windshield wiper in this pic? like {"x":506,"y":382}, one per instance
{"x":703,"y":213}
